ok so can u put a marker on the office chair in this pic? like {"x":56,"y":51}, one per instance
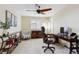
{"x":72,"y":47}
{"x":46,"y":41}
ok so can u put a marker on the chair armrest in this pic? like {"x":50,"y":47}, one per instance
{"x":50,"y":36}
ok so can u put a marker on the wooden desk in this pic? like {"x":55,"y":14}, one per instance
{"x":68,"y":39}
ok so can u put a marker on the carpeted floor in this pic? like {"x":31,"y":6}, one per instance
{"x":34,"y":46}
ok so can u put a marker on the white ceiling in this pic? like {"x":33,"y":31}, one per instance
{"x":20,"y":8}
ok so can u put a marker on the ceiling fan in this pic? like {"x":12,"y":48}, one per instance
{"x":39,"y":10}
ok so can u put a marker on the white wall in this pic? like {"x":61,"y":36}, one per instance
{"x":3,"y":8}
{"x":68,"y":17}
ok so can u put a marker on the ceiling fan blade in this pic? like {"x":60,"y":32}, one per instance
{"x":30,"y":10}
{"x":42,"y":13}
{"x":44,"y":10}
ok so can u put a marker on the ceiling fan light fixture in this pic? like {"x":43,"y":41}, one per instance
{"x":38,"y":11}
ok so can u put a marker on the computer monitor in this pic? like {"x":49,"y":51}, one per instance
{"x":61,"y":29}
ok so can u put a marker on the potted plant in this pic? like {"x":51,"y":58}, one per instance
{"x":5,"y":26}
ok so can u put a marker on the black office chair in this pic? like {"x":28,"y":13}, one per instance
{"x":74,"y":36}
{"x":46,"y":41}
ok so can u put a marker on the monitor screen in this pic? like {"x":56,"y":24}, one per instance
{"x":61,"y":29}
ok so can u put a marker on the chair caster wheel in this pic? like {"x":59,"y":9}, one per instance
{"x":53,"y":52}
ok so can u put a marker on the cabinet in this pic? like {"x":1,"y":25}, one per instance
{"x":36,"y":34}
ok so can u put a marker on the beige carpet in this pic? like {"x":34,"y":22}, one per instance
{"x":34,"y":46}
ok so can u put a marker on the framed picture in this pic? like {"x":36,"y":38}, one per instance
{"x":11,"y":19}
{"x":15,"y":21}
{"x":0,"y":24}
